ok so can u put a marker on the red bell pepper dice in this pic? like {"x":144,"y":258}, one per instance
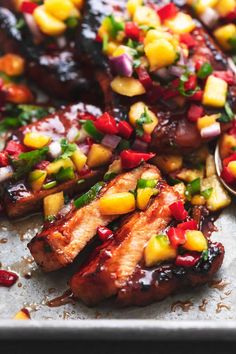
{"x":124,"y":129}
{"x":188,"y":259}
{"x":228,"y":76}
{"x":14,"y":148}
{"x":178,"y":211}
{"x":106,"y":124}
{"x":199,"y":62}
{"x":191,"y":83}
{"x":131,"y":158}
{"x":28,"y":7}
{"x":195,"y":112}
{"x":187,"y":39}
{"x":176,"y":236}
{"x":132,"y":31}
{"x":104,"y":233}
{"x":146,"y":137}
{"x":188,"y":225}
{"x":231,"y":16}
{"x":197,"y":96}
{"x":227,"y":160}
{"x":98,"y":38}
{"x":7,"y":278}
{"x":227,"y":176}
{"x":144,"y":77}
{"x":167,"y":11}
{"x":4,"y":161}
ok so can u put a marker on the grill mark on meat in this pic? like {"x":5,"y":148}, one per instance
{"x":68,"y":237}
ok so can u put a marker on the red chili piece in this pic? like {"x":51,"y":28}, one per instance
{"x":131,"y":158}
{"x":124,"y":129}
{"x":167,"y":11}
{"x":197,"y":96}
{"x":227,"y":76}
{"x":227,"y":160}
{"x":144,"y":77}
{"x":14,"y":148}
{"x":231,"y":16}
{"x":191,"y":83}
{"x":178,"y":211}
{"x":106,"y":124}
{"x":4,"y":161}
{"x":176,"y":236}
{"x":195,"y":112}
{"x":146,"y":137}
{"x":188,"y":260}
{"x":188,"y":225}
{"x":104,"y":233}
{"x":28,"y":7}
{"x":187,"y":39}
{"x":7,"y":278}
{"x":227,"y":176}
{"x":132,"y":31}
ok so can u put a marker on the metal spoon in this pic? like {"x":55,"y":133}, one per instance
{"x":218,"y":163}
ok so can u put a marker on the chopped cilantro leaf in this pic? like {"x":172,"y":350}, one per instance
{"x":226,"y":116}
{"x":67,"y":149}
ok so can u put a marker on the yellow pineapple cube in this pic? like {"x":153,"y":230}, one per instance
{"x":227,"y":142}
{"x":36,"y":140}
{"x":224,"y":7}
{"x":36,"y":179}
{"x":206,"y":121}
{"x":195,"y":241}
{"x":79,"y":160}
{"x":121,"y":49}
{"x":158,"y":250}
{"x":117,"y":203}
{"x":224,"y":34}
{"x":53,"y":204}
{"x":198,"y":200}
{"x":132,"y":6}
{"x":189,"y":175}
{"x":146,"y":16}
{"x":55,"y":166}
{"x":215,"y":92}
{"x":139,"y":108}
{"x":219,"y":197}
{"x":111,"y":48}
{"x":127,"y":86}
{"x":201,"y":5}
{"x":160,"y":53}
{"x":154,"y":34}
{"x":47,"y":23}
{"x":143,"y":197}
{"x":181,"y":23}
{"x":22,"y":315}
{"x":98,"y":155}
{"x":232,"y":168}
{"x":59,"y":9}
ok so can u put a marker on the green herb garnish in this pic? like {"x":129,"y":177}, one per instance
{"x":65,"y":174}
{"x":72,"y":22}
{"x":193,"y":188}
{"x":143,"y":119}
{"x":226,"y":116}
{"x":90,"y":128}
{"x":89,"y":196}
{"x":116,"y":26}
{"x":205,"y":255}
{"x":50,"y":185}
{"x":146,"y":183}
{"x":183,"y":79}
{"x":67,"y":149}
{"x":205,"y":70}
{"x":207,"y":193}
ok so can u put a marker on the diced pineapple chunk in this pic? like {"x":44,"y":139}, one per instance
{"x":198,"y":200}
{"x":79,"y":160}
{"x":219,"y":197}
{"x":115,"y":167}
{"x":158,"y":250}
{"x":224,"y":7}
{"x":59,"y":9}
{"x":121,"y":49}
{"x":132,"y":6}
{"x":210,"y":166}
{"x":98,"y":155}
{"x":111,"y":48}
{"x":227,"y":143}
{"x":143,"y":197}
{"x":55,"y":166}
{"x":160,"y":53}
{"x":232,"y":168}
{"x":206,"y":121}
{"x":146,"y":16}
{"x":47,"y":23}
{"x":224,"y":34}
{"x":136,"y":110}
{"x":22,"y":315}
{"x":117,"y":203}
{"x":195,"y":241}
{"x":53,"y":204}
{"x":201,"y":5}
{"x":36,"y":179}
{"x":189,"y":175}
{"x":181,"y":23}
{"x":168,"y":163}
{"x":127,"y":86}
{"x":154,"y":34}
{"x":36,"y":140}
{"x":215,"y":92}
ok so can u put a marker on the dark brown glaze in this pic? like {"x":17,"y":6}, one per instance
{"x":59,"y":243}
{"x":18,"y":198}
{"x":174,"y":132}
{"x":57,"y":71}
{"x":155,"y":284}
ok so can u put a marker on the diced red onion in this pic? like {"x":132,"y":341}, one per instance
{"x":84,"y":148}
{"x":139,"y":145}
{"x":209,"y":17}
{"x":122,"y":65}
{"x":5,"y":173}
{"x":212,"y":131}
{"x":111,"y":141}
{"x":33,"y":27}
{"x":82,"y":136}
{"x":182,"y":58}
{"x":55,"y":149}
{"x":72,"y":134}
{"x":176,"y":70}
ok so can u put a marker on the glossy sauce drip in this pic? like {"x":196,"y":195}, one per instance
{"x":64,"y":299}
{"x":203,"y":305}
{"x":218,"y":284}
{"x":183,"y":305}
{"x":221,"y":306}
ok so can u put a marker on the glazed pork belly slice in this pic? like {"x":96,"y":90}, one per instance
{"x":19,"y":199}
{"x":174,"y":131}
{"x":109,"y":271}
{"x":57,"y":246}
{"x":58,"y":72}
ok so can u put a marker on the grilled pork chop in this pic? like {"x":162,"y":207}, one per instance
{"x":174,"y":131}
{"x":57,"y":246}
{"x":18,"y":198}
